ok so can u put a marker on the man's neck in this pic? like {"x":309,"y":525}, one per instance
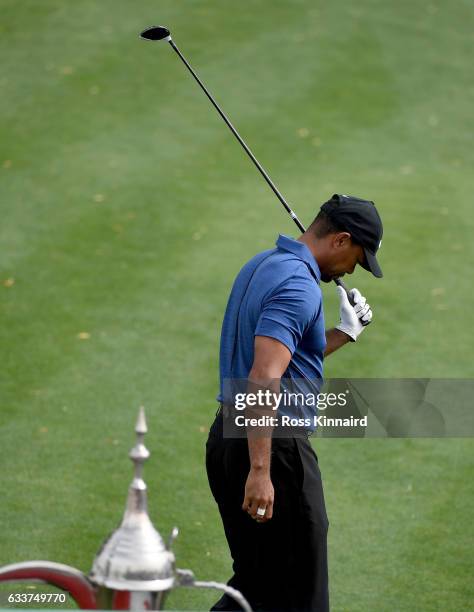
{"x":316,"y":247}
{"x":311,"y":243}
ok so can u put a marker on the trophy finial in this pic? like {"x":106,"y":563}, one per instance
{"x":141,"y":427}
{"x":135,"y":557}
{"x":139,"y":454}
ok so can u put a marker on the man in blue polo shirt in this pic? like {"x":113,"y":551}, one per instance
{"x":268,"y":488}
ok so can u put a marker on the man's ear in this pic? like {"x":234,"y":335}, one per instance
{"x":341,"y":239}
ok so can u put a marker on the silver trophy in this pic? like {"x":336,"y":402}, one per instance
{"x":134,"y":569}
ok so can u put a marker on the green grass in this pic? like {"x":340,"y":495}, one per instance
{"x":127,"y":209}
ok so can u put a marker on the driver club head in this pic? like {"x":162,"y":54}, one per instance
{"x":156,"y":33}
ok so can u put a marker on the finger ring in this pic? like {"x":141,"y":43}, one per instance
{"x":261,"y":511}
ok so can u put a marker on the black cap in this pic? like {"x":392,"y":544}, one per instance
{"x":361,"y":219}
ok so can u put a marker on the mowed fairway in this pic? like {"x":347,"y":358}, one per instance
{"x":126,"y":211}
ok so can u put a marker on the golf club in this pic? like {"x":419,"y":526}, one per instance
{"x":155,"y":33}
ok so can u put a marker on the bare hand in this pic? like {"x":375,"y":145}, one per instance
{"x":259,"y":493}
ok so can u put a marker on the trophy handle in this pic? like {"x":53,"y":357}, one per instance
{"x":62,"y":576}
{"x":186,"y":579}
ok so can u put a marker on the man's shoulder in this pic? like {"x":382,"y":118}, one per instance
{"x":274,"y":271}
{"x":287,"y":279}
{"x":286,"y":269}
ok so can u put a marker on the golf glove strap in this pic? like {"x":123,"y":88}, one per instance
{"x":353,"y":318}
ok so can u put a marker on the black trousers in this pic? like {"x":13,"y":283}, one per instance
{"x":280,"y":565}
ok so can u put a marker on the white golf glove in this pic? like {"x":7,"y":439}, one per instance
{"x":353,"y":318}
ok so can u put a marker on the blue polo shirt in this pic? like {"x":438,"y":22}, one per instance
{"x":276,"y":294}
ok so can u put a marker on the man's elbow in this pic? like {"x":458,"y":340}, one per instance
{"x":263,"y":374}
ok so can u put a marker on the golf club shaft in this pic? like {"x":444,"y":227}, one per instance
{"x":249,"y":153}
{"x":242,"y":142}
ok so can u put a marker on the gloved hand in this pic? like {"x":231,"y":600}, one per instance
{"x":353,"y":318}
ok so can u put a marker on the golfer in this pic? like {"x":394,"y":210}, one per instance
{"x":268,"y":489}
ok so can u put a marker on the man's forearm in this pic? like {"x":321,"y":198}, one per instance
{"x":335,"y":338}
{"x":271,"y":359}
{"x":260,"y":453}
{"x":260,"y":438}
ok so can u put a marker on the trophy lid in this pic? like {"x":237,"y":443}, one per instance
{"x":134,"y":557}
